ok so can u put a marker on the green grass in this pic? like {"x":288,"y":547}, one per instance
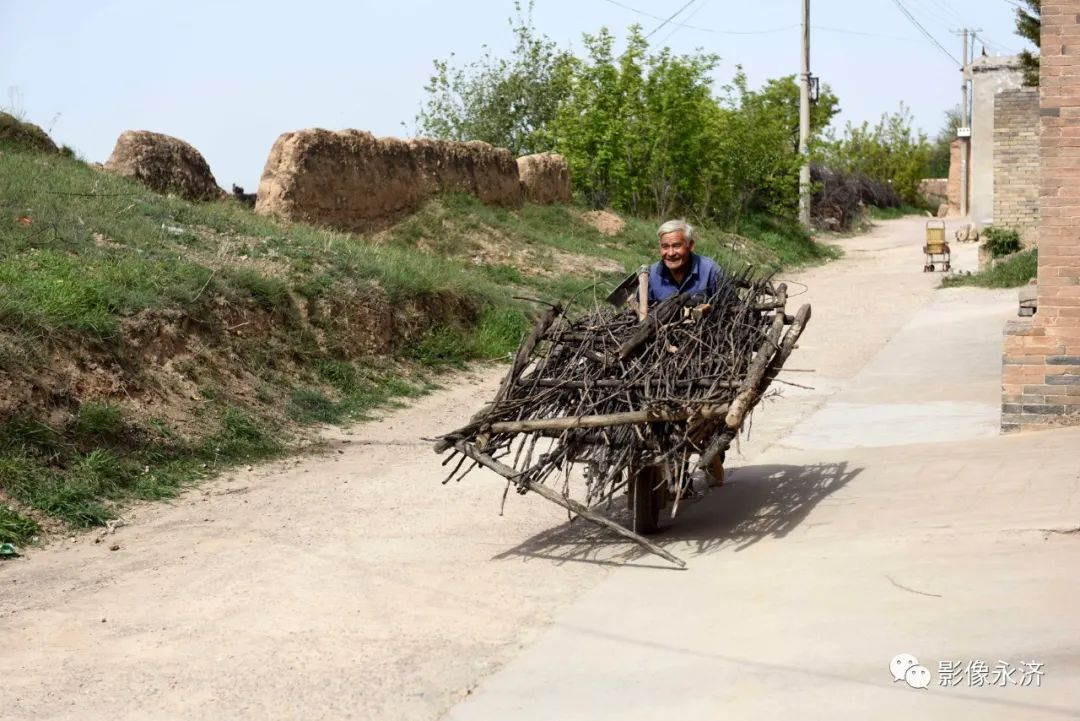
{"x":57,"y":473}
{"x":16,"y":527}
{"x":264,"y":314}
{"x":1016,"y":271}
{"x":903,"y":211}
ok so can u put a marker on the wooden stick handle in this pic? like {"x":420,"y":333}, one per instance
{"x":569,"y":504}
{"x":608,"y":419}
{"x":643,"y":292}
{"x":745,"y":400}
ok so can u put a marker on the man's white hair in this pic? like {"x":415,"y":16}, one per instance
{"x":675,"y":225}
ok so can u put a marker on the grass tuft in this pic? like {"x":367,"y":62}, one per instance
{"x":1018,"y":270}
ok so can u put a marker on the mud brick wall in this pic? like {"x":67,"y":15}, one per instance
{"x":1016,"y":163}
{"x":1041,"y":375}
{"x":956,"y":150}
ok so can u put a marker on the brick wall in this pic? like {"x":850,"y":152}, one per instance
{"x":957,"y":147}
{"x":1041,"y":375}
{"x":1016,"y":162}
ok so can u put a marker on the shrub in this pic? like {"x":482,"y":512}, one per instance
{"x":1001,"y":241}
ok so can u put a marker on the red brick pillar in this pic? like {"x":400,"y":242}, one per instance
{"x":1041,"y":376}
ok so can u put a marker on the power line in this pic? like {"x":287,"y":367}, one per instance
{"x":673,"y":15}
{"x":699,"y":28}
{"x":941,"y":12}
{"x":997,"y":47}
{"x":925,"y":32}
{"x":844,"y":31}
{"x":769,"y":31}
{"x":688,"y":17}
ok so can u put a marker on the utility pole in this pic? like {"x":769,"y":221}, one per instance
{"x":965,"y":122}
{"x":804,"y":120}
{"x":968,"y":36}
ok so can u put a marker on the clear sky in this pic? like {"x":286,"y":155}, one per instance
{"x":229,"y":76}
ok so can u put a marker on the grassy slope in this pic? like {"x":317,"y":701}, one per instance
{"x":100,"y":407}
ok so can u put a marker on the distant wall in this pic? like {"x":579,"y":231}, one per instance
{"x":353,"y":181}
{"x":934,"y":187}
{"x":990,"y":75}
{"x":545,"y":178}
{"x":1016,"y":162}
{"x":956,"y":150}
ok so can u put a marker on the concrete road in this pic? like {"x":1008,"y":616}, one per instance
{"x":874,"y":514}
{"x":878,"y":514}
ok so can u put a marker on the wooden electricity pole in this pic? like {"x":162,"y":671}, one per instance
{"x":804,"y":120}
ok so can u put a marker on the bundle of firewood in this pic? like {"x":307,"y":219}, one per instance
{"x":613,"y":392}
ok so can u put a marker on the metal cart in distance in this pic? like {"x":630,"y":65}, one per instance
{"x":936,"y":250}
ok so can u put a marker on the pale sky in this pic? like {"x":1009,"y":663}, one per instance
{"x":229,"y":76}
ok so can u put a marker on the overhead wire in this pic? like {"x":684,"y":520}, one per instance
{"x":900,"y":5}
{"x":688,"y":18}
{"x":699,"y":28}
{"x":673,"y":16}
{"x":936,"y":13}
{"x":768,"y":31}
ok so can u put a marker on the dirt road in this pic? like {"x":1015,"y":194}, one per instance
{"x":353,"y":585}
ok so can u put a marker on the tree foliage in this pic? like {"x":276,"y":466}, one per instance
{"x":508,"y":102}
{"x":890,"y":151}
{"x":645,"y":131}
{"x":1029,"y":27}
{"x":941,"y":150}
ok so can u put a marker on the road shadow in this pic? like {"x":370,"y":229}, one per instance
{"x":757,"y":502}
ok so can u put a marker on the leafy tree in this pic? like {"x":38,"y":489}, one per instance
{"x":642,"y":131}
{"x":634,"y":127}
{"x":890,"y":151}
{"x":1029,"y":27}
{"x":507,"y":102}
{"x":941,"y":152}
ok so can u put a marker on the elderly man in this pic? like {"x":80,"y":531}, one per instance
{"x":680,"y":269}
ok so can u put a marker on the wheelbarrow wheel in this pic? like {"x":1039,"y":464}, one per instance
{"x":647,"y":495}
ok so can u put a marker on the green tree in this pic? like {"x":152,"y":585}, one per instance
{"x":890,"y":151}
{"x":507,"y":102}
{"x":941,"y":152}
{"x":1029,"y":27}
{"x":634,"y":126}
{"x":642,"y":131}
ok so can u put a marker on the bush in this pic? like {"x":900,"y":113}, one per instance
{"x":892,"y":152}
{"x":1001,"y":241}
{"x":840,"y":197}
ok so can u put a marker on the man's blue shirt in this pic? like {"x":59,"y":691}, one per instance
{"x":705,"y":277}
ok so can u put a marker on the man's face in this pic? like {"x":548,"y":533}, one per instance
{"x":674,"y":250}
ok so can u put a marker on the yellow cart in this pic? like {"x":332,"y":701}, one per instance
{"x":936,"y":249}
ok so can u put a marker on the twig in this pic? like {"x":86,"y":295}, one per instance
{"x":912,"y":590}
{"x":212,"y":272}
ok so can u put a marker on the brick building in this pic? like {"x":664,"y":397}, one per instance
{"x":1016,"y":162}
{"x":1041,"y":373}
{"x":991,"y":75}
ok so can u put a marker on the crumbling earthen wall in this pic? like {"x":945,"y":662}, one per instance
{"x":164,"y":164}
{"x":351,"y":180}
{"x":956,"y":150}
{"x":1016,"y":162}
{"x":545,"y":178}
